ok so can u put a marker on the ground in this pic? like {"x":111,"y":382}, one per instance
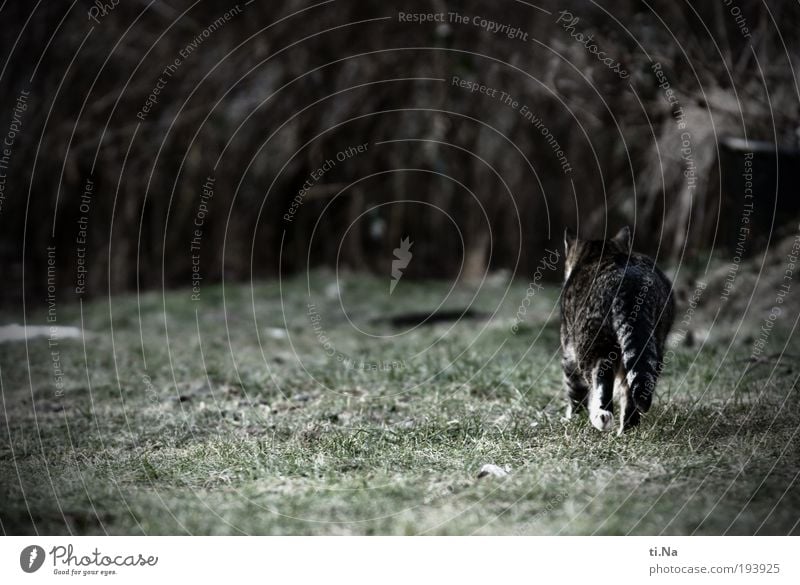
{"x":226,"y":416}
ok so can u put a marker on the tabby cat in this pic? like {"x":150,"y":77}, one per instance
{"x":617,"y":308}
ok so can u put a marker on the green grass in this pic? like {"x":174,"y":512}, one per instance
{"x":243,"y":433}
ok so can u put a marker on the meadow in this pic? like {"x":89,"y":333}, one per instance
{"x":267,"y":410}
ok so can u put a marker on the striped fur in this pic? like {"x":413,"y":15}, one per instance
{"x":617,"y":308}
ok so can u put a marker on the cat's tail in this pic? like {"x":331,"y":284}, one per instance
{"x":640,"y":358}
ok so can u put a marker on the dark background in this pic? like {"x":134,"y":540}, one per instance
{"x":274,"y":93}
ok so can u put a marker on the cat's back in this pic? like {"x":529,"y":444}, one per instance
{"x":597,"y":281}
{"x":591,"y":285}
{"x":614,"y":284}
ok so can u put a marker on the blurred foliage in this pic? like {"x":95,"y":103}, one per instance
{"x":263,"y":100}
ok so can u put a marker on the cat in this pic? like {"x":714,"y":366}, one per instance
{"x":617,"y":308}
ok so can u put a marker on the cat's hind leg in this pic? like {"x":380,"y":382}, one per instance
{"x":641,"y":350}
{"x":630,"y":414}
{"x":641,"y":367}
{"x":574,"y":387}
{"x":601,"y":397}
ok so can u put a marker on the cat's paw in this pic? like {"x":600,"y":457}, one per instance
{"x":643,"y":399}
{"x":602,"y":420}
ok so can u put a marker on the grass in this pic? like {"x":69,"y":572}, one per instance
{"x":225,"y":416}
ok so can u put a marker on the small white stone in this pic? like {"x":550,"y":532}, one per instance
{"x":276,"y":332}
{"x":493,"y":470}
